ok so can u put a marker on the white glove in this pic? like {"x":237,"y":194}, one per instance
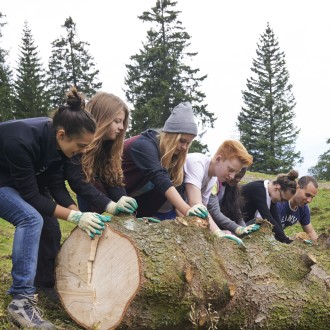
{"x":198,"y":210}
{"x":219,"y":233}
{"x":91,"y":223}
{"x":246,"y":230}
{"x":125,"y":204}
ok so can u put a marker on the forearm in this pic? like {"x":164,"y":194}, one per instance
{"x":309,"y":230}
{"x":73,"y":207}
{"x":219,"y":218}
{"x":62,"y":212}
{"x":176,"y":200}
{"x":212,"y":225}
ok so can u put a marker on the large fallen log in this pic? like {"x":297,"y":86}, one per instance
{"x":173,"y":276}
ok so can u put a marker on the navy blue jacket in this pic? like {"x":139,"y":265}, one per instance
{"x":141,"y":163}
{"x":31,"y":163}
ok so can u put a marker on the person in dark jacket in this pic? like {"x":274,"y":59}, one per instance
{"x":260,"y":198}
{"x":225,"y":206}
{"x":33,"y":195}
{"x":96,"y":176}
{"x":153,"y":166}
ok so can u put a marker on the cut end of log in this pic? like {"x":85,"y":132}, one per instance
{"x":90,"y":272}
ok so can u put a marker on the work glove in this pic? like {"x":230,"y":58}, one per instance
{"x":308,"y":242}
{"x":125,"y":204}
{"x":91,"y":223}
{"x":198,"y":210}
{"x":148,"y":219}
{"x":246,"y":230}
{"x":219,"y":233}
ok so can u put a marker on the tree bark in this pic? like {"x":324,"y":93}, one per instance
{"x":173,"y":276}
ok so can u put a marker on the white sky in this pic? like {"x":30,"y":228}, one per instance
{"x":225,"y":35}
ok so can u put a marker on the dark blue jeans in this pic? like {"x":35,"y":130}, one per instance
{"x":28,"y":225}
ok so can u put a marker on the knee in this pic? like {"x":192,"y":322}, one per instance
{"x":33,"y":218}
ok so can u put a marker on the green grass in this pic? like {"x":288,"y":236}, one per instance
{"x":52,"y":311}
{"x":320,"y":211}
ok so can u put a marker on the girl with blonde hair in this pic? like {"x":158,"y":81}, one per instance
{"x":153,"y":166}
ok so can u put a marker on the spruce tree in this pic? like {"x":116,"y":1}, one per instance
{"x":6,"y":112}
{"x":265,"y":123}
{"x":70,"y":64}
{"x":31,"y":99}
{"x":159,"y":77}
{"x":321,"y":170}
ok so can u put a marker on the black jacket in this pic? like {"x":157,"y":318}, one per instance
{"x":31,"y":163}
{"x":98,"y":195}
{"x":254,"y":194}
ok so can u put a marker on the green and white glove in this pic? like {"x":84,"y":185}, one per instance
{"x":308,"y":242}
{"x":149,"y":219}
{"x":219,"y":233}
{"x":198,"y":210}
{"x":125,"y":204}
{"x":91,"y":223}
{"x":246,"y":230}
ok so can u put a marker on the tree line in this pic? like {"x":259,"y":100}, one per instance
{"x":157,"y":79}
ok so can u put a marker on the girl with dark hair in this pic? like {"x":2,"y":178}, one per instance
{"x":33,"y":195}
{"x":225,"y":206}
{"x":260,"y":198}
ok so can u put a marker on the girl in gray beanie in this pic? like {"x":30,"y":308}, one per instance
{"x":153,"y":166}
{"x":181,"y":120}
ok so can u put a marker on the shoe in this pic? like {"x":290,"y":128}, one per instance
{"x":24,"y":311}
{"x":49,"y":293}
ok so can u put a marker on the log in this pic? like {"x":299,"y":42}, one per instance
{"x":175,"y":275}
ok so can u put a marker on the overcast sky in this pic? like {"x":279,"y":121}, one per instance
{"x":225,"y":35}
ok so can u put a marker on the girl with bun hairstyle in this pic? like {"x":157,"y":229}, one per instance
{"x":260,"y":198}
{"x":33,"y":195}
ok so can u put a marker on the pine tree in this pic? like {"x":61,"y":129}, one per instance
{"x":321,"y":170}
{"x":266,"y":122}
{"x":71,"y":64}
{"x":6,"y":112}
{"x":31,"y":98}
{"x":159,"y":77}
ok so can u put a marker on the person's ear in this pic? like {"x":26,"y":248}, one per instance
{"x":60,"y":134}
{"x":218,"y":158}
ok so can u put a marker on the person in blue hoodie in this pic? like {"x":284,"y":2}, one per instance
{"x":153,"y":167}
{"x":32,"y":191}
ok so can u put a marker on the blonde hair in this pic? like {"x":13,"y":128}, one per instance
{"x":230,"y":149}
{"x":172,"y":163}
{"x":103,"y":158}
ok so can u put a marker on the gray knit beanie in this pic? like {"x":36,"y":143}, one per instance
{"x":181,"y":120}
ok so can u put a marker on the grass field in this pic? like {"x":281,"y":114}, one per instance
{"x":320,"y":210}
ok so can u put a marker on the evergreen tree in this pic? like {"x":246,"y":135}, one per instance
{"x":159,"y":77}
{"x":266,"y":122}
{"x":321,"y":170}
{"x":6,"y":112}
{"x":71,"y":64}
{"x":31,"y":99}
